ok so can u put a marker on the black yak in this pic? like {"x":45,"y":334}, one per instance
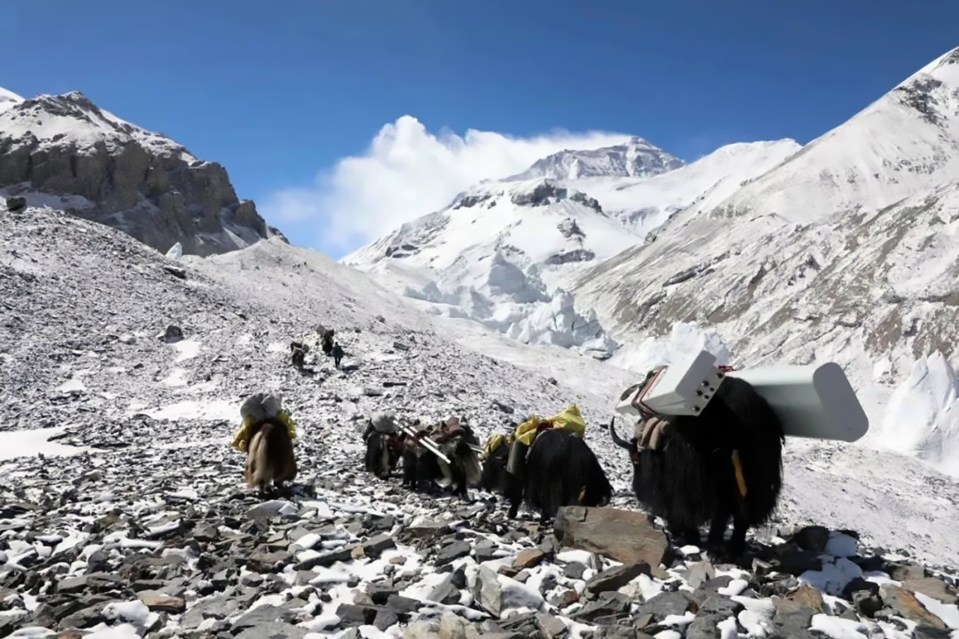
{"x":270,"y":457}
{"x":298,"y":351}
{"x":326,"y":341}
{"x":690,"y":476}
{"x":496,"y":479}
{"x":383,"y":452}
{"x":454,"y":439}
{"x":337,"y":353}
{"x":560,"y":470}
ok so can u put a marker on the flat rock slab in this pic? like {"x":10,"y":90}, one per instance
{"x":626,"y":536}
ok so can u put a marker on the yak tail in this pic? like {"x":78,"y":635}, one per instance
{"x":472,"y":469}
{"x":257,"y":461}
{"x":598,"y":490}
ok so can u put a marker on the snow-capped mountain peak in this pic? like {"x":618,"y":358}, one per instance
{"x":634,"y":158}
{"x":8,"y":99}
{"x":904,"y":142}
{"x":72,"y":118}
{"x":65,"y":152}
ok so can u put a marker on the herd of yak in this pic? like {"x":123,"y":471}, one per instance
{"x":724,"y":463}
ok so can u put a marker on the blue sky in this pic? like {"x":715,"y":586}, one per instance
{"x":279,"y":91}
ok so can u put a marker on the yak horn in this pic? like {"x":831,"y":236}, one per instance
{"x":616,"y":438}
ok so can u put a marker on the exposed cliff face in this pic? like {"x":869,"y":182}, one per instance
{"x":66,"y":152}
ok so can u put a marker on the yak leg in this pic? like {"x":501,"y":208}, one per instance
{"x":689,"y":534}
{"x":737,"y":543}
{"x":717,"y":527}
{"x":514,"y":493}
{"x":554,"y":499}
{"x":409,"y":472}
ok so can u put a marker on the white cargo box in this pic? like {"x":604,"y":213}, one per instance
{"x":682,"y":388}
{"x":814,"y":401}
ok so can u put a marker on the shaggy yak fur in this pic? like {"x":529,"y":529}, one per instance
{"x":383,"y":452}
{"x":298,"y":351}
{"x":691,"y":479}
{"x":337,"y":354}
{"x":496,"y":478}
{"x":421,"y":465}
{"x":560,"y":470}
{"x":270,"y":458}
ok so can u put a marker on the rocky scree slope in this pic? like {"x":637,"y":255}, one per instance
{"x":66,"y":152}
{"x":147,"y":529}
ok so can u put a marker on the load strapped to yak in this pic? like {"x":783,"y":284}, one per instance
{"x":811,"y":401}
{"x":259,"y":408}
{"x":451,"y":442}
{"x":568,"y":419}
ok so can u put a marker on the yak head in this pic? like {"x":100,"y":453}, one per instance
{"x":629,"y":444}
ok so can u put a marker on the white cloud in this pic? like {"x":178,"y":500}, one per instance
{"x":407,"y":172}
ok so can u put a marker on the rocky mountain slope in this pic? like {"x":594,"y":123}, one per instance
{"x":137,"y":522}
{"x":66,"y":152}
{"x":787,"y":270}
{"x":634,"y":158}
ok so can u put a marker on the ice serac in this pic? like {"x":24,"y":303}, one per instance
{"x":65,"y":152}
{"x":922,"y":418}
{"x":634,"y":158}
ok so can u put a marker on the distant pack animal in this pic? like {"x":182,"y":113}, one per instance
{"x":384,"y":445}
{"x":326,"y":341}
{"x":455,"y":439}
{"x":298,"y":353}
{"x":723,"y":463}
{"x":560,"y":470}
{"x":337,"y":354}
{"x":270,"y":458}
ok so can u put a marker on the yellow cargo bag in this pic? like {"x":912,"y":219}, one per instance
{"x":242,"y":438}
{"x":569,"y":419}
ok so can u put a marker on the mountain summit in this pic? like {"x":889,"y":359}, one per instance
{"x":634,"y":158}
{"x":63,"y":151}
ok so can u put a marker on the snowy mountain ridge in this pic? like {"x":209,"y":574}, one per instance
{"x":500,"y":254}
{"x":842,"y":249}
{"x":905,"y":142}
{"x":643,"y":205}
{"x":66,"y":152}
{"x":504,"y":253}
{"x":634,"y":158}
{"x":8,"y":99}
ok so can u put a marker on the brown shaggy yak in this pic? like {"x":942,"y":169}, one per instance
{"x":270,"y":458}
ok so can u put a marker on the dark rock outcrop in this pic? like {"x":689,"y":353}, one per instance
{"x":112,"y":172}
